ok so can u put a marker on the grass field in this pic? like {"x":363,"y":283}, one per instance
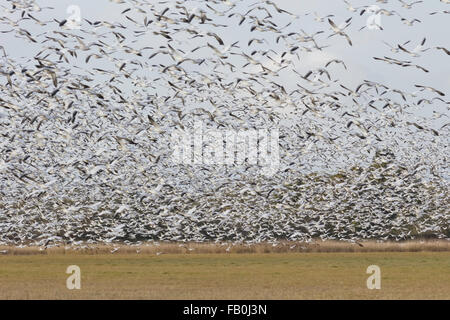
{"x":332,"y":275}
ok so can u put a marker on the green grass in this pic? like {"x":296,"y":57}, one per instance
{"x":405,"y":275}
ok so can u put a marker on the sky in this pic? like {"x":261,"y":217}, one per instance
{"x":358,"y":58}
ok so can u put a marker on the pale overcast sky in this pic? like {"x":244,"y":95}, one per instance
{"x":358,"y":57}
{"x":366,"y":43}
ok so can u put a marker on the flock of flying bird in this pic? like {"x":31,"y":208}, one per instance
{"x":87,"y":112}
